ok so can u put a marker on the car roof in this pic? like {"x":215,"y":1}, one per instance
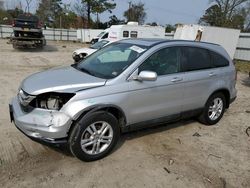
{"x":152,"y":42}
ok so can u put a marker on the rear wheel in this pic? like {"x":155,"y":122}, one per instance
{"x":14,"y":46}
{"x":94,"y":136}
{"x":214,"y":109}
{"x":16,"y":34}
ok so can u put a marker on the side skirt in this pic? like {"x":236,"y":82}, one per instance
{"x":162,"y":120}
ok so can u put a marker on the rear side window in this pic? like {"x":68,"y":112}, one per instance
{"x":193,"y":58}
{"x":133,"y":34}
{"x":218,"y":60}
{"x":125,"y":34}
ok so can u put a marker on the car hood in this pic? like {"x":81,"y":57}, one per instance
{"x":87,"y":51}
{"x":62,"y":79}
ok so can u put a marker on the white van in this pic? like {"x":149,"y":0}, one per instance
{"x":103,"y":35}
{"x":131,"y":30}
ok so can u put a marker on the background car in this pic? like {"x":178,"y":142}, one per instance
{"x":81,"y":53}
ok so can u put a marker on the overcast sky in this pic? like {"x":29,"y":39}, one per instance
{"x":160,"y":11}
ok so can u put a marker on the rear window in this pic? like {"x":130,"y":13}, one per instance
{"x":218,"y":60}
{"x":125,"y":34}
{"x":193,"y":58}
{"x":28,"y":17}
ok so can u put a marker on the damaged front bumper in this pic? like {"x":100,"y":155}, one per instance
{"x":41,"y":125}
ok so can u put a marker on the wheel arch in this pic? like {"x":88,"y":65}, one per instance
{"x":226,"y":93}
{"x":115,"y":110}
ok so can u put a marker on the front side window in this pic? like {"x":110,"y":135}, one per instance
{"x":111,"y":61}
{"x":163,"y":62}
{"x":105,"y":36}
{"x":218,"y":60}
{"x":193,"y":58}
{"x":101,"y":34}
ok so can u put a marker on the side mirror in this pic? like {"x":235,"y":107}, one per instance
{"x":147,"y":76}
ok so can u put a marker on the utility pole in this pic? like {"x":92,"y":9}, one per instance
{"x":129,"y":10}
{"x":1,"y":4}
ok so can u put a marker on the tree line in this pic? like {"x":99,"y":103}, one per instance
{"x":86,"y":14}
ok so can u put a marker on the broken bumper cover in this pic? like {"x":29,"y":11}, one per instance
{"x":41,"y":125}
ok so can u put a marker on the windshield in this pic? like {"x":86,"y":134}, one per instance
{"x":102,"y":33}
{"x":111,"y":61}
{"x":99,"y":44}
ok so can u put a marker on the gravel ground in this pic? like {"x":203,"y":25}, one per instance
{"x":164,"y":156}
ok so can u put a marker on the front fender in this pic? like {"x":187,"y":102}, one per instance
{"x":76,"y":108}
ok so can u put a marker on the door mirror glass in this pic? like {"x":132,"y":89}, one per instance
{"x":147,"y":76}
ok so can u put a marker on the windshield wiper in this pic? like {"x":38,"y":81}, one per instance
{"x":83,"y":70}
{"x":87,"y":71}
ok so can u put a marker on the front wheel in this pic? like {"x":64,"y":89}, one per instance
{"x":214,"y":109}
{"x":94,"y":136}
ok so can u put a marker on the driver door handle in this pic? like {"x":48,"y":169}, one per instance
{"x":176,"y":79}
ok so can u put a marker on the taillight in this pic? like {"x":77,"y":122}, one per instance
{"x":39,"y":25}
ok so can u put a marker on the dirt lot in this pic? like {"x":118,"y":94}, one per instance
{"x":165,"y":156}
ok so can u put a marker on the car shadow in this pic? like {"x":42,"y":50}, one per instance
{"x":150,"y":130}
{"x":246,"y":81}
{"x":47,"y":48}
{"x":64,"y":149}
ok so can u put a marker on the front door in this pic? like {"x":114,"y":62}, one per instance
{"x":152,"y":100}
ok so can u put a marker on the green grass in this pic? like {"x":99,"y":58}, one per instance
{"x":242,"y":66}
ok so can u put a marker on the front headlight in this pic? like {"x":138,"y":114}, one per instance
{"x":52,"y":101}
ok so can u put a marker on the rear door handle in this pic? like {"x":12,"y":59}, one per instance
{"x":211,"y":74}
{"x":176,"y":79}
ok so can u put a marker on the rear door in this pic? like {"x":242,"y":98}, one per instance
{"x":200,"y":76}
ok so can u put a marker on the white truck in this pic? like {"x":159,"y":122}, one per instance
{"x":226,"y":37}
{"x":130,"y":30}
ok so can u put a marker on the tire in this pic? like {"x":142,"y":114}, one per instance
{"x":77,"y":58}
{"x":209,"y":115}
{"x":81,"y":133}
{"x":14,"y":46}
{"x":16,"y":34}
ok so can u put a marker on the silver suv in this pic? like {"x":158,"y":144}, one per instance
{"x":127,"y":85}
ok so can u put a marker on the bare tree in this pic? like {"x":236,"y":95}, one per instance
{"x":136,"y":12}
{"x":28,"y":2}
{"x":81,"y":10}
{"x":229,"y":7}
{"x":226,"y":13}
